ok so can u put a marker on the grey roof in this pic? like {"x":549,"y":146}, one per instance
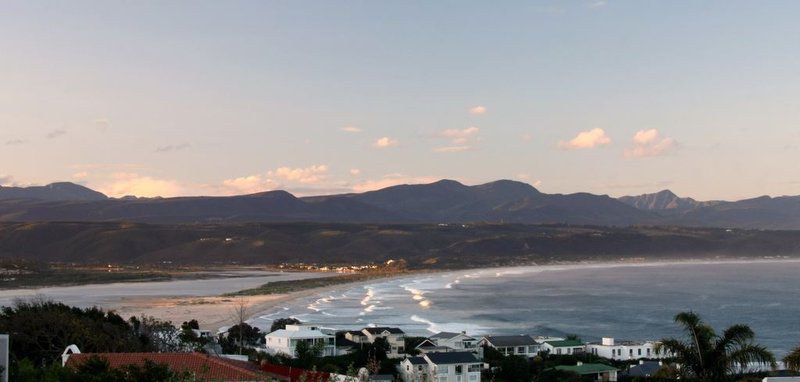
{"x":417,"y":361}
{"x":520,"y":340}
{"x":379,"y":330}
{"x":645,"y":369}
{"x":452,"y":357}
{"x":444,"y":335}
{"x":426,"y":344}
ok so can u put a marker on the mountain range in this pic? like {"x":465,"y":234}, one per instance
{"x":445,"y":201}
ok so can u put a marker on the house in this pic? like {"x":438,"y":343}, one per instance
{"x":564,"y":347}
{"x":200,"y":366}
{"x":595,"y":371}
{"x":522,"y":345}
{"x":644,"y":369}
{"x":284,"y":341}
{"x":441,"y":367}
{"x":625,"y":350}
{"x":428,"y":346}
{"x":456,"y":341}
{"x":395,"y":337}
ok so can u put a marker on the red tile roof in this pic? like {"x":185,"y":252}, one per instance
{"x":202,"y":366}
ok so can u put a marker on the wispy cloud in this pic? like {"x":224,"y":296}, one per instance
{"x":123,"y":184}
{"x":384,"y":142}
{"x":586,"y":140}
{"x":15,"y":142}
{"x":6,"y":180}
{"x":248,"y":185}
{"x":355,"y":172}
{"x":56,"y":133}
{"x":169,"y":148}
{"x":311,"y":174}
{"x":649,"y":143}
{"x":351,"y":129}
{"x":477,"y":110}
{"x":459,"y":139}
{"x":102,"y":123}
{"x":597,"y":4}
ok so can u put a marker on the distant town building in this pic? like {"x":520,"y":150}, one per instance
{"x":441,"y":367}
{"x":284,"y":341}
{"x":624,"y":350}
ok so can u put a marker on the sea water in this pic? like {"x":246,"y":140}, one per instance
{"x":624,"y":301}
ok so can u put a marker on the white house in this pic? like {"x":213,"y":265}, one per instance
{"x":455,"y":341}
{"x":625,"y":350}
{"x":285,"y":340}
{"x":441,"y":367}
{"x":564,"y":347}
{"x":522,"y":345}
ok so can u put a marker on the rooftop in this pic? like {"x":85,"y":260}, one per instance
{"x":587,"y":368}
{"x":379,"y":330}
{"x":564,"y":343}
{"x":445,"y":335}
{"x":520,"y":340}
{"x":301,"y":333}
{"x":204,"y":367}
{"x":452,"y":358}
{"x":417,"y":361}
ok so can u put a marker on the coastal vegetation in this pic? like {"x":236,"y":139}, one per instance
{"x":708,"y":357}
{"x":422,"y":246}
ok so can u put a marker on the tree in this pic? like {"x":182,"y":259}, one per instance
{"x":306,"y":354}
{"x":156,"y":335}
{"x":792,"y":360}
{"x":189,"y":338}
{"x":282,"y":322}
{"x":42,"y":329}
{"x":239,"y":316}
{"x":710,"y":357}
{"x":515,"y":368}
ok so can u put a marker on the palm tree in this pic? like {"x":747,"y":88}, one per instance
{"x":792,"y":360}
{"x":710,"y":357}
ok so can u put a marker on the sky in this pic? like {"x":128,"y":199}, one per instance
{"x":230,"y":97}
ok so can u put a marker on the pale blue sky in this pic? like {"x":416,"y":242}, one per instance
{"x":184,"y":98}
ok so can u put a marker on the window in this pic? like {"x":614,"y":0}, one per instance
{"x":630,"y":352}
{"x":558,"y":351}
{"x":520,"y":349}
{"x":619,"y":351}
{"x":640,"y":351}
{"x":648,"y":351}
{"x":473,"y":377}
{"x":476,"y":368}
{"x":459,"y":369}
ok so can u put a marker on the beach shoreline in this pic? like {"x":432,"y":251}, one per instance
{"x":216,"y":312}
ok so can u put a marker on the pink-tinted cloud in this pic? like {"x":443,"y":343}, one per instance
{"x":384,"y":142}
{"x":586,"y":140}
{"x":649,"y":143}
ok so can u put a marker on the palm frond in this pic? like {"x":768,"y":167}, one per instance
{"x":750,"y":354}
{"x":734,"y":336}
{"x":792,"y":360}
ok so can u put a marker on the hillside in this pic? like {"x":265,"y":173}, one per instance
{"x":445,"y":201}
{"x":421,"y":245}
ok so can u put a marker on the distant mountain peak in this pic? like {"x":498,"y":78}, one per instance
{"x":59,"y":191}
{"x":664,"y":200}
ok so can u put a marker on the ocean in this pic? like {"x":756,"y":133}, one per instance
{"x":624,"y":301}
